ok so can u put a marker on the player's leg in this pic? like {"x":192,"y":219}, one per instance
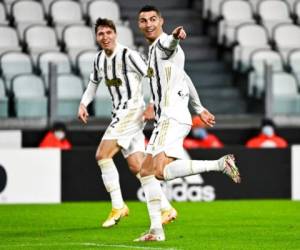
{"x":168,"y":213}
{"x":110,"y":176}
{"x":152,"y":190}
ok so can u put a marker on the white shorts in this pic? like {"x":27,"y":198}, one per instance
{"x":127,"y":128}
{"x":168,"y":137}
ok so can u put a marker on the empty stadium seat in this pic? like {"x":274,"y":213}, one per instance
{"x":297,"y":11}
{"x":286,"y":99}
{"x":78,"y":38}
{"x":258,"y":60}
{"x":125,"y":36}
{"x":294,"y":63}
{"x":61,"y":60}
{"x":286,"y":38}
{"x":8,"y":39}
{"x":3,"y":100}
{"x":214,"y":9}
{"x":84,"y":64}
{"x":104,"y":9}
{"x":3,"y":15}
{"x":272,"y":13}
{"x":13,"y":63}
{"x":65,"y":12}
{"x":249,"y":37}
{"x":69,"y":92}
{"x":234,"y":13}
{"x":40,"y":39}
{"x":26,"y":13}
{"x":29,"y":96}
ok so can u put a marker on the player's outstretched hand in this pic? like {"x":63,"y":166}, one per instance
{"x":179,"y":33}
{"x":207,"y":118}
{"x":149,"y":112}
{"x":83,"y":113}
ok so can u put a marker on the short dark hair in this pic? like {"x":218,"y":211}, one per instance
{"x":105,"y":22}
{"x":148,"y":8}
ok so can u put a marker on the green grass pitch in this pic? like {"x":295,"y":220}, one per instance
{"x":217,"y":225}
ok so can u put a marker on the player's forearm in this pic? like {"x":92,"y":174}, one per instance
{"x":89,"y":94}
{"x":194,"y":97}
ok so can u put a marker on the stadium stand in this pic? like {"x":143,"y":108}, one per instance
{"x":9,"y":40}
{"x":60,"y":59}
{"x":3,"y":15}
{"x":78,"y":38}
{"x":13,"y":63}
{"x":84,"y":64}
{"x":63,"y":13}
{"x":272,"y":13}
{"x":294,"y":63}
{"x":259,"y":59}
{"x":29,"y":96}
{"x":233,"y":13}
{"x":3,"y":100}
{"x":25,"y":13}
{"x":40,"y":38}
{"x":69,"y":92}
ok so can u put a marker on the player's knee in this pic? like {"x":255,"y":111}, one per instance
{"x":159,"y":173}
{"x":134,"y":168}
{"x":101,"y":155}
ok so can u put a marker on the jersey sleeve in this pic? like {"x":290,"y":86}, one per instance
{"x":168,"y":45}
{"x":194,"y":97}
{"x":95,"y":76}
{"x":89,"y":93}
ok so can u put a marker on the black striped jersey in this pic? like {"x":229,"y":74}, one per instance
{"x":168,"y":82}
{"x":122,"y":73}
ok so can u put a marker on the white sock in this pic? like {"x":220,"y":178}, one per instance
{"x":182,"y":168}
{"x":165,"y":204}
{"x":152,"y":192}
{"x":111,"y":182}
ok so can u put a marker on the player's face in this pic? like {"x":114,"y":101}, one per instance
{"x":150,"y":24}
{"x":106,"y":38}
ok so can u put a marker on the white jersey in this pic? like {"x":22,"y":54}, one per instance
{"x":122,"y":73}
{"x":168,"y":80}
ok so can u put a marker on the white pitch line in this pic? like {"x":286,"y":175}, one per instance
{"x":85,"y":244}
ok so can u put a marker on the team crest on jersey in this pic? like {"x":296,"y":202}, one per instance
{"x":150,"y":72}
{"x":116,"y":82}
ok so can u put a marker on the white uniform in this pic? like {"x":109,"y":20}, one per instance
{"x":122,"y":73}
{"x":171,"y":88}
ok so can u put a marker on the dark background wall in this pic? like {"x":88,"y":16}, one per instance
{"x":266,"y":173}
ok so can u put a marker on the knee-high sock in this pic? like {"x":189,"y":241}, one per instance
{"x":152,"y":192}
{"x":111,"y":182}
{"x":165,"y":204}
{"x":182,"y":168}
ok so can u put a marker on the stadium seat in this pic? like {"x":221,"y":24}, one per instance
{"x":286,"y":98}
{"x":258,"y":61}
{"x":254,"y":4}
{"x":291,"y":4}
{"x":294,"y":63}
{"x":249,"y":37}
{"x":26,"y":13}
{"x":40,"y":39}
{"x":84,"y":64}
{"x":84,"y":4}
{"x":104,"y":9}
{"x":3,"y":100}
{"x":284,"y":45}
{"x":8,"y":39}
{"x":60,"y":59}
{"x":46,"y":5}
{"x":78,"y":38}
{"x":273,"y":12}
{"x":3,"y":15}
{"x":297,"y":11}
{"x":29,"y":96}
{"x":8,"y":4}
{"x":125,"y":36}
{"x":102,"y":102}
{"x":63,"y":13}
{"x":214,"y":10}
{"x":234,"y":13}
{"x":13,"y":63}
{"x":69,"y":92}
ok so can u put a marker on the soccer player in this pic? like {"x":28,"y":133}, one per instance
{"x":121,"y":69}
{"x":171,"y":88}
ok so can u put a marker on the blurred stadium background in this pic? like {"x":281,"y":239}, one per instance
{"x":243,"y":57}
